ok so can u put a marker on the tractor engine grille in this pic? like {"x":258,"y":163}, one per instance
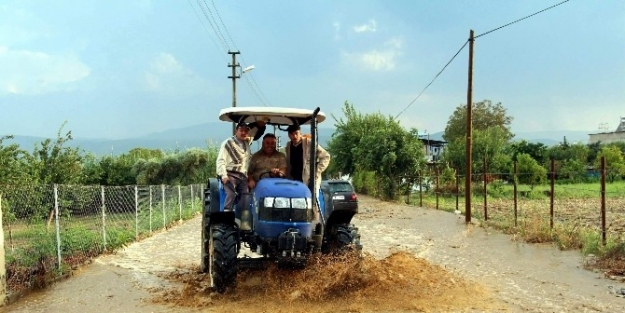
{"x":285,"y":209}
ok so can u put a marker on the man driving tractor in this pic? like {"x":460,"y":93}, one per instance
{"x":267,"y":162}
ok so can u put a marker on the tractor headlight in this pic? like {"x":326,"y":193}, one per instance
{"x":300,"y":203}
{"x":268,"y":202}
{"x":281,"y":203}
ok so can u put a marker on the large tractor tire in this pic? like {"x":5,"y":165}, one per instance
{"x":345,"y":238}
{"x":222,"y":253}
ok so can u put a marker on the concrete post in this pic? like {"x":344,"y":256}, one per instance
{"x":3,"y":270}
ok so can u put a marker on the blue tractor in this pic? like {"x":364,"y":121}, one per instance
{"x":281,"y":220}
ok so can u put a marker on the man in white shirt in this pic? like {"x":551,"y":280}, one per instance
{"x":232,"y":164}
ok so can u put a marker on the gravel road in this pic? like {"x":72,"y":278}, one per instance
{"x":417,"y":260}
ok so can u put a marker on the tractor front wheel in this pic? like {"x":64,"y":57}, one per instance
{"x":222,"y":247}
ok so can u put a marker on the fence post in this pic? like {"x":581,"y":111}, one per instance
{"x":192,"y":205}
{"x":150,"y":209}
{"x":436,"y":191}
{"x":457,"y":190}
{"x":484,"y":176}
{"x":163,"y":198}
{"x":136,"y":213}
{"x":3,"y":270}
{"x":103,"y":216}
{"x":179,"y":204}
{"x":553,"y":180}
{"x":515,"y":193}
{"x":603,"y":230}
{"x":57,"y":224}
{"x":421,"y":189}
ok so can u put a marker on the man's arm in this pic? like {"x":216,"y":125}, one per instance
{"x":282,"y":163}
{"x":260,"y":129}
{"x":323,"y":159}
{"x":221,"y":160}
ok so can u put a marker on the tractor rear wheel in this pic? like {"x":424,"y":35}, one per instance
{"x":222,"y":247}
{"x":346,"y":238}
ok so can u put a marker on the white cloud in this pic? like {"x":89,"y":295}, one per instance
{"x":167,"y":75}
{"x":377,"y":60}
{"x":370,"y":26}
{"x":29,"y":73}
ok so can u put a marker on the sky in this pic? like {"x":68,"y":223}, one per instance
{"x":122,"y":69}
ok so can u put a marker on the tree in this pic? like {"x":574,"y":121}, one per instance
{"x":569,"y":159}
{"x":538,"y":151}
{"x":12,"y":166}
{"x":345,"y":140}
{"x":530,"y":172}
{"x":55,"y":163}
{"x":615,"y":162}
{"x":489,"y":143}
{"x":485,"y":115}
{"x":373,"y":143}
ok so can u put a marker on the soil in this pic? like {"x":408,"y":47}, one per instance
{"x":414,"y":260}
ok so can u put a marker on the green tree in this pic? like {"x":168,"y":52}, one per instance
{"x":484,"y":114}
{"x":615,"y":162}
{"x":12,"y":166}
{"x":538,"y":151}
{"x":569,"y":158}
{"x":52,"y":162}
{"x":530,"y":172}
{"x":377,"y":144}
{"x":573,"y":170}
{"x":345,"y":140}
{"x":489,"y":143}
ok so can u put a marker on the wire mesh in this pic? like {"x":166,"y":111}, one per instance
{"x":50,"y":230}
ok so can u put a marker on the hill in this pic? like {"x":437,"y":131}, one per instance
{"x":197,"y":136}
{"x":213,"y":133}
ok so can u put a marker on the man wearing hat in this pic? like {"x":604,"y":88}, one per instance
{"x":232,"y":163}
{"x":298,"y":158}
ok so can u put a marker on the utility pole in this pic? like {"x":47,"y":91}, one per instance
{"x":234,"y":77}
{"x":469,"y":149}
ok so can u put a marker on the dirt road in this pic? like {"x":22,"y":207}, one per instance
{"x":417,"y":260}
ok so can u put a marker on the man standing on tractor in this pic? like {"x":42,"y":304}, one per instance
{"x":232,"y":164}
{"x":298,"y":158}
{"x":267,"y":162}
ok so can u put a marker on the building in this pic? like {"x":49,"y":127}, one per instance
{"x":434,"y":147}
{"x":616,"y":136}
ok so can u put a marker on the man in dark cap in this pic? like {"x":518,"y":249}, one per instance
{"x":298,"y":158}
{"x":232,"y":163}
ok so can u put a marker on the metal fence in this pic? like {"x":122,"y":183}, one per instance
{"x":498,"y":197}
{"x":49,"y":230}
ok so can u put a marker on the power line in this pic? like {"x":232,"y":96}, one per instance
{"x":435,"y":77}
{"x":251,"y":82}
{"x":205,"y":28}
{"x":216,"y":26}
{"x":217,"y":30}
{"x":480,"y":35}
{"x":516,"y":21}
{"x":224,"y":25}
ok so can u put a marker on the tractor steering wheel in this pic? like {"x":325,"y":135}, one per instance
{"x":263,"y":173}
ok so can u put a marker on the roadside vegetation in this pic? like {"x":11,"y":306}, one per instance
{"x":365,"y":148}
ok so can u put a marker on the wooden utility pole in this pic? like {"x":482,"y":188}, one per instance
{"x":234,"y":77}
{"x":467,"y":180}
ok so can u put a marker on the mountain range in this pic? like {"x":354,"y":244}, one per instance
{"x":213,"y":133}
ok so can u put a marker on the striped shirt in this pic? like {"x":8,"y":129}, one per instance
{"x":234,"y":155}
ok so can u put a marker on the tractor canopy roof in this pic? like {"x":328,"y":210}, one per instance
{"x":270,"y":115}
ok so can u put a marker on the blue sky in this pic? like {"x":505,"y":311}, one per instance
{"x":122,"y":69}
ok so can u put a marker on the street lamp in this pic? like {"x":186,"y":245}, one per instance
{"x":247,"y":69}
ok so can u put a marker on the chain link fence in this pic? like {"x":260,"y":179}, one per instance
{"x":574,"y":209}
{"x":50,"y":230}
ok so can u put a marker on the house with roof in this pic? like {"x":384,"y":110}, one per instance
{"x":609,"y":137}
{"x":433,"y":145}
